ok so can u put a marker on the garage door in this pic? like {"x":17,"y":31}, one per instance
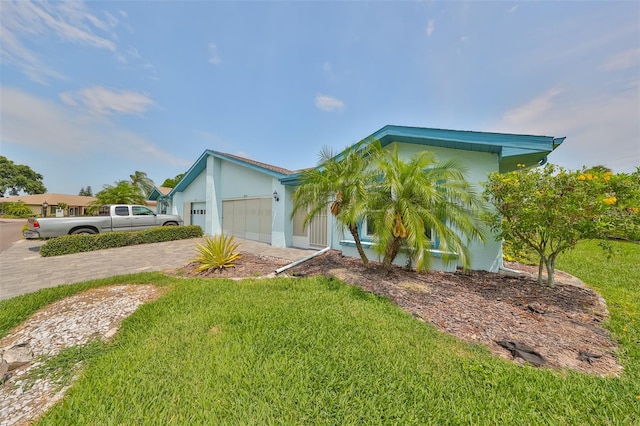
{"x":248,"y":218}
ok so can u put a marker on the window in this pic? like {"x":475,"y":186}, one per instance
{"x":141,"y":211}
{"x":122,"y":211}
{"x":369,"y":229}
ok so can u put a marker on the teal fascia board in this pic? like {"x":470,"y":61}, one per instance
{"x":509,"y":147}
{"x":201,"y":164}
{"x":155,"y":194}
{"x":466,"y":140}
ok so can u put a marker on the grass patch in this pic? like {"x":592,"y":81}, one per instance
{"x":316,"y":351}
{"x":618,"y":280}
{"x":16,"y":310}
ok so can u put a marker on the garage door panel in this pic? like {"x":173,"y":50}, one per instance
{"x":249,"y":219}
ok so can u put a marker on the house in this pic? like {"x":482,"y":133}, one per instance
{"x":47,"y":204}
{"x":158,"y":198}
{"x":252,"y":200}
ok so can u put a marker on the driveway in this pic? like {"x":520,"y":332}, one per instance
{"x":23,"y":270}
{"x":10,"y":232}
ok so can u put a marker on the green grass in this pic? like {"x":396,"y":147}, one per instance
{"x":618,"y":281}
{"x":315,"y":351}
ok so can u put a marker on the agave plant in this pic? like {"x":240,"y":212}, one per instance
{"x":218,"y":252}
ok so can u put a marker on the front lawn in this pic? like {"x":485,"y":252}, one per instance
{"x":315,"y":351}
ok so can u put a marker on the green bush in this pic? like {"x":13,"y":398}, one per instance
{"x":16,"y":209}
{"x":68,"y":244}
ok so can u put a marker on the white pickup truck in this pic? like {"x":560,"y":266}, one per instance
{"x":112,"y":217}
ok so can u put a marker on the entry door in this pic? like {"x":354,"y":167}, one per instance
{"x":318,"y":230}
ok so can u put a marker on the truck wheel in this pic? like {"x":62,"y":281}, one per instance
{"x":87,"y":231}
{"x":170,"y":224}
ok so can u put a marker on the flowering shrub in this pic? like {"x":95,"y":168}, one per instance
{"x":549,"y":210}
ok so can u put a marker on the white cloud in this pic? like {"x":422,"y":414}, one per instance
{"x":68,"y":21}
{"x":626,"y":59}
{"x":100,"y":101}
{"x":214,"y":58}
{"x":601,"y":129}
{"x":532,"y":110}
{"x":326,"y":68}
{"x":513,"y":9}
{"x":46,"y":126}
{"x":329,"y":104}
{"x":430,"y":27}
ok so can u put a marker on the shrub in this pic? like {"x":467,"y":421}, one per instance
{"x":16,"y":209}
{"x":218,"y":252}
{"x":68,"y":244}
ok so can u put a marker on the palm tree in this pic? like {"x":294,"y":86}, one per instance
{"x":142,"y":181}
{"x":412,"y":198}
{"x":123,"y":192}
{"x":343,"y":181}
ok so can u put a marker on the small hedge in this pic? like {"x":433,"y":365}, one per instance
{"x":68,"y":244}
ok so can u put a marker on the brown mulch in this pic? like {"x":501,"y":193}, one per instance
{"x":561,"y":324}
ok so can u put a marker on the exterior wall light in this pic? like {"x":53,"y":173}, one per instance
{"x":276,"y":197}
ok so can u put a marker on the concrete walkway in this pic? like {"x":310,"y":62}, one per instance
{"x":23,"y":270}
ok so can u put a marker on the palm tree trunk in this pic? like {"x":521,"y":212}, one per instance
{"x":392,"y":252}
{"x":356,"y":238}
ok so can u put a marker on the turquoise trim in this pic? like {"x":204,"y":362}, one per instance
{"x":512,"y":149}
{"x":368,"y":245}
{"x":201,"y":164}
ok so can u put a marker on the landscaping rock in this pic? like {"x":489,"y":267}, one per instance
{"x":17,"y":356}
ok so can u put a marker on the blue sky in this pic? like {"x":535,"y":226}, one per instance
{"x":93,"y":91}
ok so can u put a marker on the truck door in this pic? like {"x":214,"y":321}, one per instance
{"x":121,"y":219}
{"x":142,"y":218}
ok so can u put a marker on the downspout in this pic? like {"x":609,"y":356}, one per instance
{"x":511,"y":271}
{"x":299,"y":261}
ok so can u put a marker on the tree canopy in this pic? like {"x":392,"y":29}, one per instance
{"x":172,"y":182}
{"x":87,"y":192}
{"x":18,"y":177}
{"x":400,"y":201}
{"x":411,"y":198}
{"x":549,"y":210}
{"x":123,"y":192}
{"x":343,"y":181}
{"x":142,"y":181}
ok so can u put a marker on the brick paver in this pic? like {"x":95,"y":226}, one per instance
{"x":23,"y":270}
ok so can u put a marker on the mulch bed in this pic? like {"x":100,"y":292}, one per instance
{"x":561,"y":324}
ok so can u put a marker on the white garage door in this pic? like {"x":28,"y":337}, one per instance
{"x":248,"y":218}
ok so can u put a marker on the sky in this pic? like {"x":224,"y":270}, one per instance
{"x":91,"y":92}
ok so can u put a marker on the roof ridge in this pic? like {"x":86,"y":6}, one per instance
{"x":258,"y":163}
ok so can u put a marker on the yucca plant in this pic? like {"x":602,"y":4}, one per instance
{"x":218,"y":252}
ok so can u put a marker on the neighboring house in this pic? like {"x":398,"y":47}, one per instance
{"x":158,"y":198}
{"x":47,"y":204}
{"x":252,"y":200}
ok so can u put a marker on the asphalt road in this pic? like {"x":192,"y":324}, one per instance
{"x":10,"y":232}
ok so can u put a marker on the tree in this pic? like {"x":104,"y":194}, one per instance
{"x":171,"y":183}
{"x":343,"y":181}
{"x":549,"y":210}
{"x":123,"y":192}
{"x":142,"y":181}
{"x":409,"y":199}
{"x":87,"y":192}
{"x":18,"y":177}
